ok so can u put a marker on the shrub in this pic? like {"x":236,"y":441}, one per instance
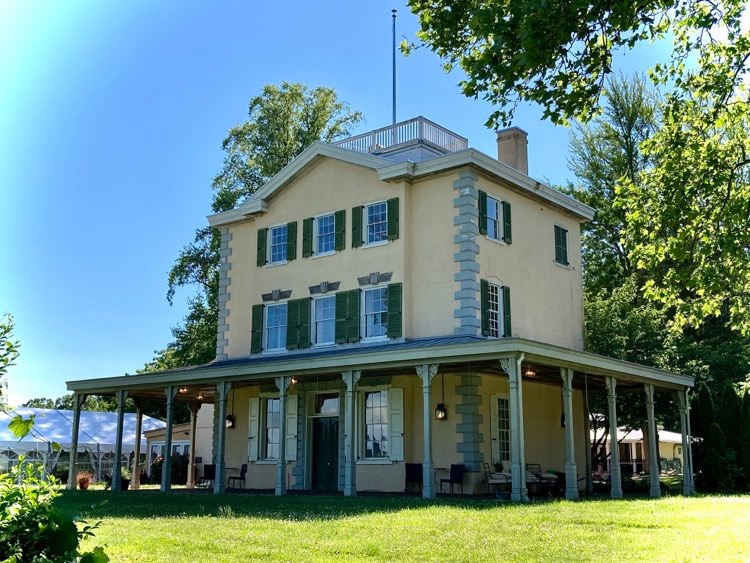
{"x":178,"y":472}
{"x":31,"y":529}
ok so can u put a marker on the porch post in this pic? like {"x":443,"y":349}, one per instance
{"x":166,"y":466}
{"x":135,"y":483}
{"x":350,"y":464}
{"x":426,"y":372}
{"x":194,"y":407}
{"x":653,"y":447}
{"x":78,"y":401}
{"x":614,"y":470}
{"x":117,"y":470}
{"x":283,"y":384}
{"x":587,"y":449}
{"x":687,"y":462}
{"x":512,"y":366}
{"x":571,"y":473}
{"x":222,"y":390}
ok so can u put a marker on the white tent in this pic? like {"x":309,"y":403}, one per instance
{"x":97,"y":434}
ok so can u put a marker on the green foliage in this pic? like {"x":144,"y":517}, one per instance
{"x":31,"y":528}
{"x":21,"y":426}
{"x":178,"y":469}
{"x":282,"y":122}
{"x":8,"y":353}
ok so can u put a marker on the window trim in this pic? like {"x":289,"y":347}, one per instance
{"x":363,"y":314}
{"x":269,"y":245}
{"x":267,"y":307}
{"x":366,"y":224}
{"x":313,"y":325}
{"x":316,"y":218}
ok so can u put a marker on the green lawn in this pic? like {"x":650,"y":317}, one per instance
{"x":150,"y":526}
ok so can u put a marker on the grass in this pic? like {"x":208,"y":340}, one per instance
{"x":150,"y":526}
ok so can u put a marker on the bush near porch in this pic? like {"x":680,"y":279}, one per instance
{"x":185,"y":526}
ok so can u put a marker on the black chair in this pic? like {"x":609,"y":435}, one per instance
{"x":456,"y":477}
{"x":209,"y":476}
{"x":413,"y":475}
{"x":243,"y":472}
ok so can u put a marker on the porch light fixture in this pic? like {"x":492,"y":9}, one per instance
{"x":229,"y":423}
{"x":294,"y":380}
{"x":441,"y":413}
{"x":529,"y":372}
{"x":183,"y":390}
{"x":199,"y":396}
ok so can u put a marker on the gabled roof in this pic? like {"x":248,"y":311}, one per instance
{"x":389,"y":172}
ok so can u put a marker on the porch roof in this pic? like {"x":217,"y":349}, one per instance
{"x":386,"y":356}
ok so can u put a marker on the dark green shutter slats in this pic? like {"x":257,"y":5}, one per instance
{"x":347,"y":316}
{"x":262,"y":238}
{"x":395,"y":317}
{"x":482,"y":212}
{"x":561,"y":246}
{"x":484,"y":290}
{"x":298,"y":323}
{"x":507,"y":331}
{"x":356,"y":227}
{"x":393,"y":223}
{"x":256,"y":333}
{"x":339,"y":241}
{"x":291,"y":241}
{"x":507,"y":230}
{"x":307,"y":237}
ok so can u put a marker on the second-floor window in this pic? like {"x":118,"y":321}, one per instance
{"x":275,"y":333}
{"x":561,"y":245}
{"x":277,"y":244}
{"x":376,"y":216}
{"x":494,"y":218}
{"x":324,"y":310}
{"x":324,"y":234}
{"x":495,"y":304}
{"x":375,"y":223}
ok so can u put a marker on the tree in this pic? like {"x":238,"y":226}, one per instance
{"x":8,"y":353}
{"x":283,"y":121}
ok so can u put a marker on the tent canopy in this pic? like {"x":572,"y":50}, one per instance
{"x":97,"y":431}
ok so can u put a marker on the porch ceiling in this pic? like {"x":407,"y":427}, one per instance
{"x":450,"y":352}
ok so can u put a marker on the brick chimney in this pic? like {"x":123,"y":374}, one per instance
{"x":512,"y":148}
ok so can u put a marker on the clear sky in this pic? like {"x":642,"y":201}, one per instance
{"x":111,"y":120}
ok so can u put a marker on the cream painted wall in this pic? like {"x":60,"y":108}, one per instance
{"x":546,"y":298}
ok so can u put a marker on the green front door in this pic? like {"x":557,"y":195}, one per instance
{"x":325,"y":444}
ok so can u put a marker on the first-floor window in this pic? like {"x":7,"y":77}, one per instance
{"x":375,"y":312}
{"x":271,"y":429}
{"x":376,"y":424}
{"x":276,"y":327}
{"x":503,"y":428}
{"x":325,"y":320}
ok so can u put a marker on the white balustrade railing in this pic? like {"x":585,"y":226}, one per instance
{"x":415,"y":129}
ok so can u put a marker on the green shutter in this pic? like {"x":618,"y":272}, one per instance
{"x":507,"y":330}
{"x":356,"y":227}
{"x":561,"y":246}
{"x":482,"y":212}
{"x":484,"y":291}
{"x":262,"y":239}
{"x":291,"y":241}
{"x":339,"y":219}
{"x":392,"y":218}
{"x":256,"y":333}
{"x":292,"y":324}
{"x":395,"y":320}
{"x":352,"y":334}
{"x":342,"y":309}
{"x":304,"y":322}
{"x":507,"y":230}
{"x":307,"y":237}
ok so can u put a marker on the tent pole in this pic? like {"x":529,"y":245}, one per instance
{"x":78,"y":401}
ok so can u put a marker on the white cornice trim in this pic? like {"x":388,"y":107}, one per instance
{"x":388,"y":358}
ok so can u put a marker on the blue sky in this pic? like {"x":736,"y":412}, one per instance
{"x":111,"y":120}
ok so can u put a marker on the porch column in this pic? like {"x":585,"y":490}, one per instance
{"x":78,"y":401}
{"x":587,"y":441}
{"x":194,"y":408}
{"x":117,"y":470}
{"x":653,"y":446}
{"x":283,"y":384}
{"x":687,"y":461}
{"x":350,"y":464}
{"x":614,"y":470}
{"x":135,"y":483}
{"x":222,"y":391}
{"x":426,"y":372}
{"x":571,"y":473}
{"x":512,"y":366}
{"x":166,"y":466}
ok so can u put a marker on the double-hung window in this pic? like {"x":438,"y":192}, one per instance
{"x":278,"y":244}
{"x":376,"y":424}
{"x":324,"y":311}
{"x":494,"y":226}
{"x":495,"y":304}
{"x":275,"y":329}
{"x":494,"y":218}
{"x":324,"y":234}
{"x":271,"y":428}
{"x":376,"y":221}
{"x":375,"y":313}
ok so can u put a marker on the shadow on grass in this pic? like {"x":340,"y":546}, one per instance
{"x":91,"y":505}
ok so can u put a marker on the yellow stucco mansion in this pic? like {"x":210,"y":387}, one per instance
{"x":398,"y":298}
